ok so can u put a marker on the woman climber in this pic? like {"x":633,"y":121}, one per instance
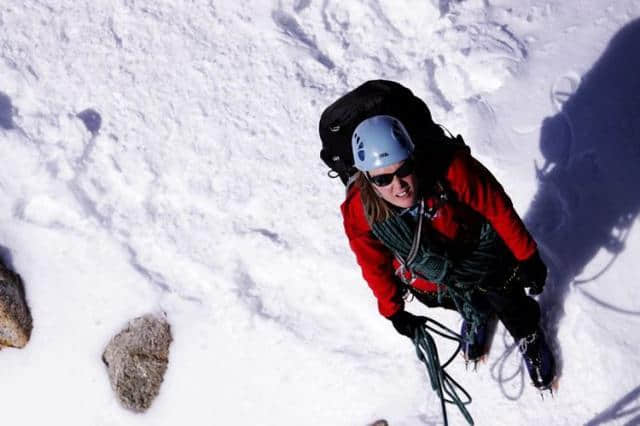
{"x":432,"y":222}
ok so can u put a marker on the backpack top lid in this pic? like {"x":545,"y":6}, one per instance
{"x":375,"y":97}
{"x":380,"y":141}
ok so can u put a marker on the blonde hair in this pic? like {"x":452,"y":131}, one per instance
{"x":375,"y":208}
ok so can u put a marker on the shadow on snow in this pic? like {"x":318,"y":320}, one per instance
{"x":6,"y":112}
{"x":588,"y":195}
{"x":620,"y":410}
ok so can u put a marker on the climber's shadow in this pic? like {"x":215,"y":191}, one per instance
{"x":626,"y":409}
{"x":588,"y":193}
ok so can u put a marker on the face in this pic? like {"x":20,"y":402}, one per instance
{"x":402,"y":191}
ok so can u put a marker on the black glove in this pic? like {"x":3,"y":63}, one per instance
{"x":406,"y":323}
{"x":532,"y":274}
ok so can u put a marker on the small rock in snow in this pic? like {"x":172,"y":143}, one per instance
{"x":15,"y":319}
{"x":137,"y":359}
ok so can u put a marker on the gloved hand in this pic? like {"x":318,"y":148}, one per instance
{"x":406,"y":323}
{"x":532,"y":274}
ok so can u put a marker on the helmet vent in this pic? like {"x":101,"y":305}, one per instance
{"x":360,"y":147}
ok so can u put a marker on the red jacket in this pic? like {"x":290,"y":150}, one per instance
{"x":473,"y":186}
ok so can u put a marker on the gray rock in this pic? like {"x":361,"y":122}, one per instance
{"x":137,"y":359}
{"x":15,"y":319}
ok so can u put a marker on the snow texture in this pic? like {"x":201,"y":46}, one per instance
{"x":163,"y":156}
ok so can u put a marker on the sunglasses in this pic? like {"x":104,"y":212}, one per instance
{"x":383,"y":180}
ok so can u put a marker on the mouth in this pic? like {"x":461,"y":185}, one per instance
{"x":404,"y":194}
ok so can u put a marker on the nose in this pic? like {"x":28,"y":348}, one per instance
{"x":397,"y":184}
{"x":394,"y":182}
{"x":399,"y":181}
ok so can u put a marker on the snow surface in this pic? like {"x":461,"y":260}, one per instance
{"x":162,"y":156}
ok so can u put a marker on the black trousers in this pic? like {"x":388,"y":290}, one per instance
{"x":519,"y":312}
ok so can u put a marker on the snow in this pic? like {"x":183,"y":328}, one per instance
{"x":163,"y":157}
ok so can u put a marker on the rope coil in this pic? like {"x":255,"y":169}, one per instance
{"x":442,"y":383}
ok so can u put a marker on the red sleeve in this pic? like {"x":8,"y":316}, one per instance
{"x":374,"y":258}
{"x":479,"y":189}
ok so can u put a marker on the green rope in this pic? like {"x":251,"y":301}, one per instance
{"x":441,"y":381}
{"x":396,"y":234}
{"x":462,"y":301}
{"x":457,"y":279}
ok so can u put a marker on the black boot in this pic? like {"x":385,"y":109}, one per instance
{"x":474,"y":345}
{"x":539,"y":359}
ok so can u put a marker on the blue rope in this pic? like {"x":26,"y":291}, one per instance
{"x":441,"y":381}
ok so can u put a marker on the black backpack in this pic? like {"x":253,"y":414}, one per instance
{"x":375,"y":97}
